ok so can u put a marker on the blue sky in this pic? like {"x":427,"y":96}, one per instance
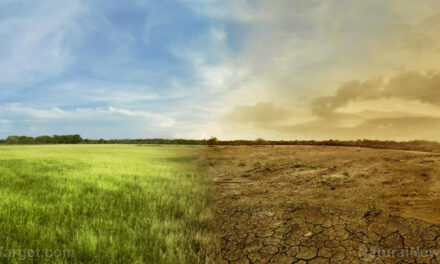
{"x":233,"y":69}
{"x":108,"y":69}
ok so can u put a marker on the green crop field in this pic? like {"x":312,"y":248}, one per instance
{"x":103,"y":204}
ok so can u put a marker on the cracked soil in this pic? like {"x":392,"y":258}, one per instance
{"x":322,"y":204}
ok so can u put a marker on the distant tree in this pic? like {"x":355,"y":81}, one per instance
{"x":76,"y":139}
{"x":260,"y":141}
{"x":26,"y":140}
{"x":67,"y":139}
{"x":12,"y":140}
{"x":212,"y":141}
{"x":44,"y":140}
{"x":20,"y":140}
{"x":59,"y":139}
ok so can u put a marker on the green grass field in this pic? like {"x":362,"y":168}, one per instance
{"x":103,"y":204}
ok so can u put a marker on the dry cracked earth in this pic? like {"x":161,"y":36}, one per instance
{"x":317,"y":204}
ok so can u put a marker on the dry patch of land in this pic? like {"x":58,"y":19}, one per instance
{"x":318,"y":204}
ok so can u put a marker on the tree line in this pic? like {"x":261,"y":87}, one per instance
{"x":416,"y":145}
{"x":55,"y":139}
{"x":77,"y":139}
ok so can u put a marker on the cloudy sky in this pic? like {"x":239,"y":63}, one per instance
{"x":279,"y":69}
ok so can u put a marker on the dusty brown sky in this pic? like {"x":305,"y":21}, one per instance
{"x":335,"y":69}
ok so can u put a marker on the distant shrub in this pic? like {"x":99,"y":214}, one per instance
{"x":212,"y":141}
{"x":260,"y":141}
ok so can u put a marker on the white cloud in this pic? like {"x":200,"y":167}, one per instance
{"x":215,"y":68}
{"x":14,"y":109}
{"x":5,"y":121}
{"x":218,"y":35}
{"x":39,"y":50}
{"x":160,"y":120}
{"x":25,"y":113}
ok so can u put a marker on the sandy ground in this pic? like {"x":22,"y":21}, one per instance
{"x":319,"y":204}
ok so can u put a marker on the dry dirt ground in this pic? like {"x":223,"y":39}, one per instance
{"x":320,"y":204}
